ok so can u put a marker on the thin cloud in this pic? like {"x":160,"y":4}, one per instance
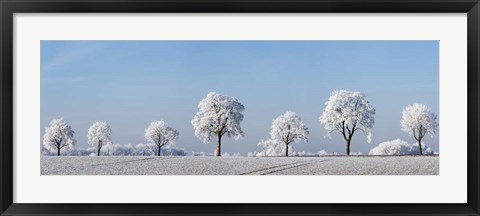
{"x":67,"y":54}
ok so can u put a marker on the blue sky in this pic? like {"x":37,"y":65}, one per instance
{"x":131,"y":83}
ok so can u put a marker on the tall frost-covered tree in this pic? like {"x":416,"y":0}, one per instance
{"x":58,"y":135}
{"x":288,"y":128}
{"x":348,"y":112}
{"x":99,"y":133}
{"x":218,"y":115}
{"x":418,"y":120}
{"x":160,"y":134}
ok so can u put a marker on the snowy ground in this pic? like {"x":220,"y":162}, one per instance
{"x":188,"y":165}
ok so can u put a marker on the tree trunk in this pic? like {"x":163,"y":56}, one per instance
{"x":58,"y":151}
{"x":420,"y":146}
{"x":286,"y":150}
{"x":348,"y":147}
{"x":159,"y":147}
{"x":218,"y":151}
{"x":99,"y":147}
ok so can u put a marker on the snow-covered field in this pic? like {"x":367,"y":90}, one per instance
{"x":190,"y":165}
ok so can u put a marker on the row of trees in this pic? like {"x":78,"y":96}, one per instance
{"x":345,"y":111}
{"x":59,"y":135}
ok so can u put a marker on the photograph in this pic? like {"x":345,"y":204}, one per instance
{"x":239,"y":107}
{"x":275,"y":107}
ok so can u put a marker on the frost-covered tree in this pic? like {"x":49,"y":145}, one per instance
{"x":99,"y":133}
{"x":160,"y":134}
{"x":58,"y":135}
{"x":218,"y":115}
{"x":418,"y":120}
{"x":348,"y":112}
{"x":288,"y":128}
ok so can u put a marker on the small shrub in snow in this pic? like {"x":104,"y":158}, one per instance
{"x":323,"y":152}
{"x":399,"y":147}
{"x":201,"y":154}
{"x":226,"y":154}
{"x":303,"y":153}
{"x":271,"y":148}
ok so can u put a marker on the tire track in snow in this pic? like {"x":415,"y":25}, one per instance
{"x":278,"y":168}
{"x":259,"y":170}
{"x":291,"y":167}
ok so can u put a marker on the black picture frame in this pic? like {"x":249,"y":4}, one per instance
{"x":9,"y":7}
